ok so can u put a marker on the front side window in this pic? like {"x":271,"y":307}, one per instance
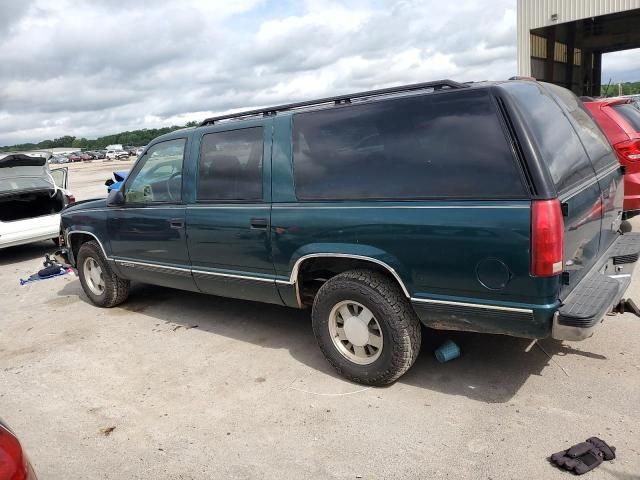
{"x":448,"y":145}
{"x":230,"y":166}
{"x":158,"y":178}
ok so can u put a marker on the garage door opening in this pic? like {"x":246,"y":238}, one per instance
{"x":566,"y":46}
{"x":619,"y":69}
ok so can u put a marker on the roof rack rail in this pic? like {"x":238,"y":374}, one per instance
{"x":338,"y":100}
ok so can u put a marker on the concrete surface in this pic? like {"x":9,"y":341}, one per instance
{"x":203,"y":387}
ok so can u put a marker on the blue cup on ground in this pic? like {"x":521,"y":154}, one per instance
{"x":447,"y":351}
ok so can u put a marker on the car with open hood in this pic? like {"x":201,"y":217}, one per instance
{"x":31,"y":199}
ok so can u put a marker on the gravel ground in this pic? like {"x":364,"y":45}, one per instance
{"x":185,"y":386}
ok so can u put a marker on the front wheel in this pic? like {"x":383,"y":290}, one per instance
{"x":103,"y":287}
{"x":366,"y":327}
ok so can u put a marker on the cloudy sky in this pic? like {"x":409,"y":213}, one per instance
{"x":93,"y":67}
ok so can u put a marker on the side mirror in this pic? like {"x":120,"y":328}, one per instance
{"x":115,"y":198}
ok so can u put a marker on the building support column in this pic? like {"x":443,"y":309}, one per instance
{"x":597,"y":74}
{"x":550,"y":60}
{"x":571,"y":34}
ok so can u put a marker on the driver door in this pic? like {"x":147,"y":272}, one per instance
{"x":147,"y":233}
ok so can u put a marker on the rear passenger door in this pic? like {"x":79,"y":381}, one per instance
{"x":228,"y":224}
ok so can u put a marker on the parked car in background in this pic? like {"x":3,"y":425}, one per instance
{"x":117,"y":155}
{"x":31,"y":199}
{"x":74,"y":157}
{"x":619,"y":118}
{"x":98,"y":155}
{"x":86,"y":156}
{"x":472,"y":206}
{"x":14,"y":463}
{"x":58,"y":159}
{"x":139,"y":151}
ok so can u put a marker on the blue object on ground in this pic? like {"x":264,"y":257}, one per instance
{"x":447,"y":351}
{"x":36,"y":278}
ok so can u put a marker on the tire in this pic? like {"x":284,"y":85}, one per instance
{"x":92,"y":265}
{"x":393,"y":319}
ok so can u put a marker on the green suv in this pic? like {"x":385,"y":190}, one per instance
{"x":490,"y":207}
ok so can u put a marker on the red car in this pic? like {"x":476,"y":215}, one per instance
{"x":619,"y":118}
{"x":14,"y":464}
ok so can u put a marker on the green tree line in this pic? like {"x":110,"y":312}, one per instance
{"x":628,"y":88}
{"x":136,"y":138}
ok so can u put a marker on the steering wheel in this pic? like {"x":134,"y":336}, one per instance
{"x":170,"y":182}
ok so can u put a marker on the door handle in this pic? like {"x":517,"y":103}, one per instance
{"x":259,"y":223}
{"x":176,"y":223}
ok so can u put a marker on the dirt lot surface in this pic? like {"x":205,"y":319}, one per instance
{"x":185,"y":386}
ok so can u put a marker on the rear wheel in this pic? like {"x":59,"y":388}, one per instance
{"x":366,"y":327}
{"x":103,"y":287}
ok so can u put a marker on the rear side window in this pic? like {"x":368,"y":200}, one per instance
{"x":431,"y":146}
{"x":556,"y":139}
{"x":630,"y":113}
{"x":230,"y":166}
{"x":594,"y":141}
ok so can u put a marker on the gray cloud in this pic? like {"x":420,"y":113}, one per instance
{"x":87,"y":68}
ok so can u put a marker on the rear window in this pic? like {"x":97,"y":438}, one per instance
{"x":594,"y":141}
{"x":431,"y":146}
{"x":230,"y":166}
{"x":554,"y":136}
{"x":630,"y":113}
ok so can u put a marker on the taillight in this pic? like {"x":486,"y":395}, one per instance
{"x":70,"y":199}
{"x":547,"y":238}
{"x":13,"y":463}
{"x":628,"y":151}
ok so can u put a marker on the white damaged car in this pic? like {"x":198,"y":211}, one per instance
{"x":31,"y":198}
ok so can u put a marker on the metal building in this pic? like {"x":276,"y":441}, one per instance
{"x":562,"y":41}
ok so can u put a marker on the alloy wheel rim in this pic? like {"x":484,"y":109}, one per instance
{"x":93,"y":276}
{"x":355,"y":332}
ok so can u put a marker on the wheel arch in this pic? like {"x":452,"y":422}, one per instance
{"x":310,"y":267}
{"x":75,"y":239}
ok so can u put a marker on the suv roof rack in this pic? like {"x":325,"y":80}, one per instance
{"x":338,"y":100}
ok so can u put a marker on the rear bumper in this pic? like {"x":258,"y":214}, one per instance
{"x":20,"y":232}
{"x":598,"y":292}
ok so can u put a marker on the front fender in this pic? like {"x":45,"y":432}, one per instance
{"x":88,"y":224}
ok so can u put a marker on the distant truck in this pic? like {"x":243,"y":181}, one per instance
{"x":117,"y":146}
